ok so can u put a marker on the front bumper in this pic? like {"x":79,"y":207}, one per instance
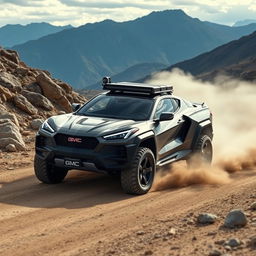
{"x":107,"y":156}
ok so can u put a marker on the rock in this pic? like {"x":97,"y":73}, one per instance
{"x":253,"y":206}
{"x":212,"y":233}
{"x":227,"y":247}
{"x":6,"y":141}
{"x":67,"y":88}
{"x":10,"y":81}
{"x":233,"y":242}
{"x":6,"y":92}
{"x":140,"y":233}
{"x":38,"y":100}
{"x":172,"y":232}
{"x":36,"y":123}
{"x":34,"y":87}
{"x":2,"y":68}
{"x":235,"y":218}
{"x":206,"y":218}
{"x":22,"y":103}
{"x":53,"y":92}
{"x":11,"y":148}
{"x":10,"y":55}
{"x":12,"y":117}
{"x":9,"y":130}
{"x":215,"y":253}
{"x":21,"y":71}
{"x":252,"y":242}
{"x":147,"y":253}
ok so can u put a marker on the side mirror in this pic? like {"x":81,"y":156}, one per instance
{"x":75,"y":106}
{"x":166,"y":116}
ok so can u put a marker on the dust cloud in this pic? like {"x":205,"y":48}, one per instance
{"x":233,"y":105}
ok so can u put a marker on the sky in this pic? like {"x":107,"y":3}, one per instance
{"x":79,"y":12}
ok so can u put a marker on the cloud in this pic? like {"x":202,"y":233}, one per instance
{"x":115,"y":4}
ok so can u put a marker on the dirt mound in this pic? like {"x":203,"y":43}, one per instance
{"x":27,"y":97}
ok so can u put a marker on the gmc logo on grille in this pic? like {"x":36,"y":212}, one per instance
{"x":75,"y":140}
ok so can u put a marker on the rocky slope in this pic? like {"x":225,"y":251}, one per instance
{"x":27,"y":97}
{"x":236,"y":59}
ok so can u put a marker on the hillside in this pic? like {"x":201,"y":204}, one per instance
{"x":235,"y":58}
{"x":82,"y":56}
{"x":27,"y":97}
{"x":11,"y":35}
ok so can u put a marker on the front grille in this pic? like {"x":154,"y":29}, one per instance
{"x":76,"y":141}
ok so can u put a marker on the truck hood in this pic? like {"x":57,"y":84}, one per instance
{"x":89,"y":126}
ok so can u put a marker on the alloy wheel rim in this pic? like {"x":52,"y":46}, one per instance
{"x":207,"y":150}
{"x":146,"y":171}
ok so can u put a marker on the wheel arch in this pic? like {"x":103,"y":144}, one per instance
{"x":205,"y":128}
{"x":149,"y":142}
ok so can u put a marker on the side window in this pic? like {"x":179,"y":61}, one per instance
{"x":165,"y":105}
{"x":176,"y":104}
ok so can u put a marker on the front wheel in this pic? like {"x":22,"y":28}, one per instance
{"x":203,"y":152}
{"x":139,"y":178}
{"x":48,"y":173}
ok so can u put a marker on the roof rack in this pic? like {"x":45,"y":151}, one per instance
{"x":140,"y":88}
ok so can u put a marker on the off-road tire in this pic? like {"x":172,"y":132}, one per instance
{"x":203,"y":152}
{"x":48,"y":173}
{"x":130,"y":179}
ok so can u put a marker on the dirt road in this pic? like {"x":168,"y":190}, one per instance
{"x":89,"y":215}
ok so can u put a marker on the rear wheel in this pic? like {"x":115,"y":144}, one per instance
{"x":48,"y":173}
{"x":203,"y":152}
{"x":139,"y":178}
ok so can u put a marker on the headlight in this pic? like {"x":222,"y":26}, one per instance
{"x":47,"y":127}
{"x":121,"y":135}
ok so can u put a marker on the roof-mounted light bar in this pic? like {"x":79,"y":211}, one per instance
{"x":129,"y":87}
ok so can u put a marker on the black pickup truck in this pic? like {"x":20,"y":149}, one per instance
{"x":129,"y":130}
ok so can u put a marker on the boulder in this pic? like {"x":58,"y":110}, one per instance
{"x":34,"y":87}
{"x":10,"y":81}
{"x":10,"y":55}
{"x":52,"y":91}
{"x":10,"y":134}
{"x":22,"y":103}
{"x":22,"y":71}
{"x":6,"y":115}
{"x":37,"y":100}
{"x":36,"y":123}
{"x":6,"y":141}
{"x":6,"y":92}
{"x":67,"y":88}
{"x":235,"y":218}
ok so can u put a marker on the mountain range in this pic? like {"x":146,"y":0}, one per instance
{"x":236,"y":59}
{"x":11,"y":35}
{"x":82,"y":56}
{"x":244,"y":22}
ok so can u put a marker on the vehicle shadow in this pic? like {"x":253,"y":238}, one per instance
{"x":79,"y":190}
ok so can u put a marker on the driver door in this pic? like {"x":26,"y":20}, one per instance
{"x":167,"y":131}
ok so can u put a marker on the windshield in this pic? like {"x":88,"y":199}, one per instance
{"x":120,"y":107}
